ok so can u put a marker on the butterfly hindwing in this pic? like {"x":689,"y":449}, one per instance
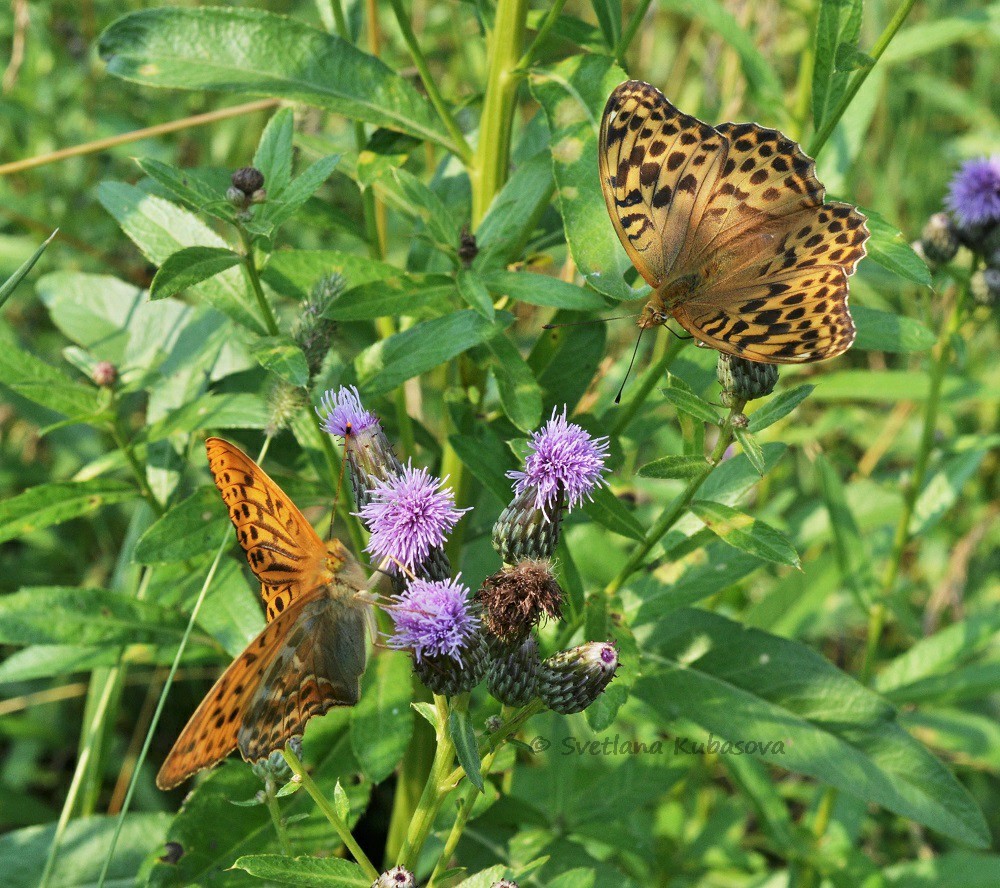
{"x":282,"y":549}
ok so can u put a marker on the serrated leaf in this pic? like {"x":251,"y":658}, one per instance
{"x":48,"y":504}
{"x":302,"y":187}
{"x":751,"y":447}
{"x":474,"y":293}
{"x":745,"y":533}
{"x":520,"y":396}
{"x":889,"y":248}
{"x":426,"y":711}
{"x":273,"y":156}
{"x":190,"y":266}
{"x":778,"y":407}
{"x":401,"y":296}
{"x":463,"y":735}
{"x":672,"y":467}
{"x":190,"y":185}
{"x":282,"y":357}
{"x":193,"y":527}
{"x":607,"y":510}
{"x":684,"y":399}
{"x":541,"y":289}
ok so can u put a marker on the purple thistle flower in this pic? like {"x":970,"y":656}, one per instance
{"x":342,"y":413}
{"x":974,"y":192}
{"x":433,"y":618}
{"x":408,"y":515}
{"x":562,"y":456}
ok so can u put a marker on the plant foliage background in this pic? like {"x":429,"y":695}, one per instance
{"x":855,"y":618}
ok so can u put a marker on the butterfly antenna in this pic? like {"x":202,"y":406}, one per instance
{"x":588,"y":321}
{"x":635,"y":351}
{"x":678,"y":335}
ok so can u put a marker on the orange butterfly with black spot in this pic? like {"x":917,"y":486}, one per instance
{"x":312,"y":653}
{"x":729,"y":226}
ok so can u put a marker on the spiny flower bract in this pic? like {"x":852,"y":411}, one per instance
{"x":342,"y":413}
{"x":974,"y":192}
{"x":433,"y":618}
{"x":408,"y":514}
{"x":562,"y":456}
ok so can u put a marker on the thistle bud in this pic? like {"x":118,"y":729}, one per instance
{"x":516,"y":599}
{"x":467,"y":247}
{"x":397,"y":877}
{"x":446,"y":676}
{"x":259,"y":196}
{"x":526,"y":530}
{"x":312,"y":330}
{"x":284,"y":400}
{"x":104,"y":374}
{"x":939,"y":239}
{"x":504,"y":883}
{"x":248,"y":180}
{"x":985,"y":286}
{"x":571,"y":680}
{"x":236,"y":197}
{"x":274,"y":767}
{"x":739,"y":421}
{"x":743,"y":380}
{"x":513,"y":673}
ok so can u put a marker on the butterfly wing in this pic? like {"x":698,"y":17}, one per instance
{"x":307,"y":660}
{"x":283,"y":550}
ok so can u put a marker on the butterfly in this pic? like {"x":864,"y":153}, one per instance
{"x":729,"y":226}
{"x":310,"y":656}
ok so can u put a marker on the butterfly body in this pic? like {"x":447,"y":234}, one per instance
{"x":729,"y":226}
{"x":311,"y":654}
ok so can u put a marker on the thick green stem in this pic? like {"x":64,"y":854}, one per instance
{"x":901,"y":538}
{"x":489,"y":165}
{"x":460,"y":146}
{"x":860,"y":76}
{"x":253,"y":275}
{"x":678,"y":507}
{"x":330,"y":813}
{"x":439,"y":784}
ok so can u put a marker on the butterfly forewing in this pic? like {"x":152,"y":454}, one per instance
{"x":282,"y":549}
{"x":731,"y":229}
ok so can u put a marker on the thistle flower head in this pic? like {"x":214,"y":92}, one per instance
{"x":562,"y":456}
{"x":974,"y":192}
{"x":433,"y":618}
{"x":397,"y":877}
{"x":408,"y":514}
{"x":517,"y":598}
{"x":342,"y":413}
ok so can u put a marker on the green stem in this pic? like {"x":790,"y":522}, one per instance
{"x":275,"y":811}
{"x":860,"y":76}
{"x":551,"y":17}
{"x":628,"y":32}
{"x":647,"y":383}
{"x":461,"y":146}
{"x":488,"y":171}
{"x":901,"y":537}
{"x":124,"y":445}
{"x":161,"y":703}
{"x":678,"y":507}
{"x":500,"y":736}
{"x":250,"y":264}
{"x":439,"y":784}
{"x":330,"y":813}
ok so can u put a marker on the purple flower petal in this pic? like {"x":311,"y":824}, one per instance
{"x":974,"y":192}
{"x":408,"y":515}
{"x":433,"y":618}
{"x":342,"y":413}
{"x":562,"y":456}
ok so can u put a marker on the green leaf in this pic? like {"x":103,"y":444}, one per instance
{"x":382,"y":721}
{"x":778,"y":407}
{"x":573,"y":94}
{"x":463,"y":735}
{"x":284,"y":205}
{"x":308,"y":872}
{"x":488,"y":458}
{"x":515,"y":212}
{"x":42,"y":383}
{"x":747,"y":685}
{"x":282,"y":357}
{"x":609,"y":17}
{"x":853,"y":555}
{"x":890,"y":385}
{"x":194,"y":186}
{"x":341,"y":802}
{"x":751,"y":447}
{"x":884,"y":331}
{"x":208,"y":49}
{"x":565,"y":361}
{"x":394,"y":297}
{"x":212,"y":411}
{"x":159,"y":229}
{"x":942,"y":489}
{"x":746,"y":533}
{"x":411,"y":196}
{"x":610,"y":512}
{"x":193,"y":527}
{"x":296,"y":272}
{"x":70,"y":615}
{"x":83,"y":849}
{"x":889,"y":248}
{"x":422,"y":347}
{"x":687,"y":401}
{"x":9,"y":285}
{"x":674,"y":467}
{"x":733,"y":477}
{"x":540,"y":289}
{"x":273,"y":156}
{"x":952,"y":869}
{"x":474,"y":293}
{"x":484,"y":879}
{"x":520,"y":396}
{"x":575,"y":878}
{"x":191,"y":266}
{"x":838,"y":28}
{"x":56,"y":502}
